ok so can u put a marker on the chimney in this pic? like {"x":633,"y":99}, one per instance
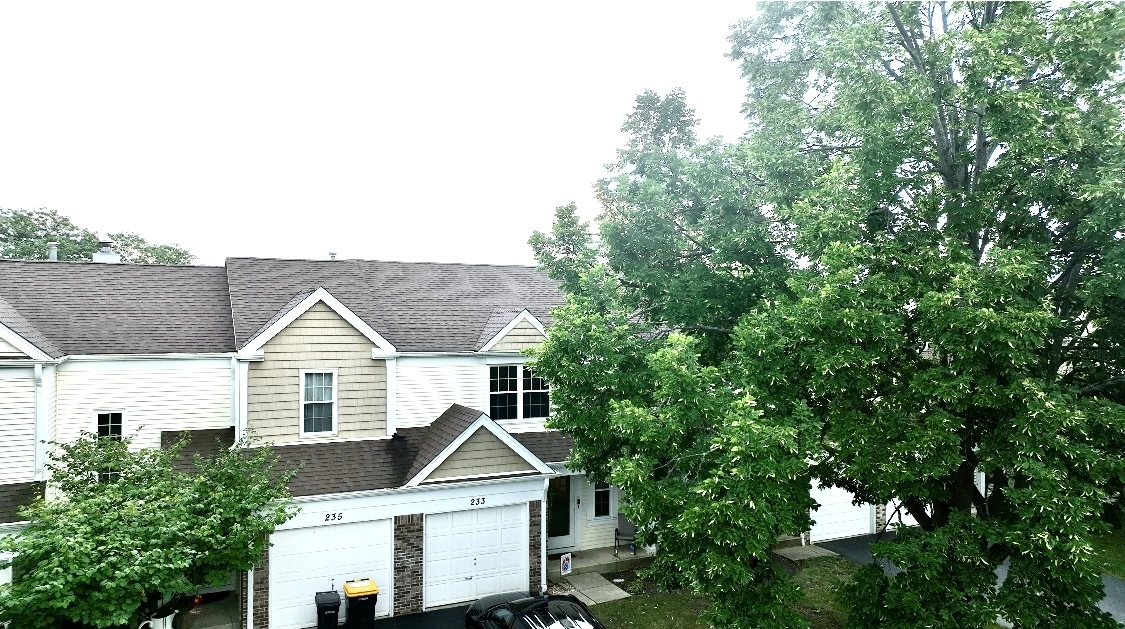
{"x":105,"y":252}
{"x":331,"y":255}
{"x":52,"y":251}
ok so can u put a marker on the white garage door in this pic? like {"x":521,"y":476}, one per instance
{"x":837,"y":517}
{"x":470,"y":554}
{"x":306,"y":561}
{"x":893,"y":518}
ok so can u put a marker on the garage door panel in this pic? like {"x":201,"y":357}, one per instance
{"x":495,"y":555}
{"x":306,"y":561}
{"x":837,"y":517}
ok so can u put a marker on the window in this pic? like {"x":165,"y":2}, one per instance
{"x":318,"y":402}
{"x":601,"y":500}
{"x":517,"y":393}
{"x":110,"y":425}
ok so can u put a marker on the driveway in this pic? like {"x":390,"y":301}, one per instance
{"x":448,"y":618}
{"x":858,"y":549}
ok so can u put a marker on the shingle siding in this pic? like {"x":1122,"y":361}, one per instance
{"x":318,"y":339}
{"x":481,"y":454}
{"x":522,"y":336}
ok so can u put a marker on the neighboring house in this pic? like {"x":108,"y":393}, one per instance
{"x":399,"y":389}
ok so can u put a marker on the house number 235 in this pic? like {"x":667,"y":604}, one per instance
{"x":476,"y":501}
{"x":333,"y":517}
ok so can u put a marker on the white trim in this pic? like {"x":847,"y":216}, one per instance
{"x":392,"y":396}
{"x":444,"y":479}
{"x":41,"y":436}
{"x":593,"y":518}
{"x":491,"y":426}
{"x":234,"y":391}
{"x":521,"y":415}
{"x":175,"y":356}
{"x":124,"y":419}
{"x":250,"y":595}
{"x":543,"y":537}
{"x":243,"y":400}
{"x":320,"y":295}
{"x":22,"y":344}
{"x":524,"y":315}
{"x":335,"y":403}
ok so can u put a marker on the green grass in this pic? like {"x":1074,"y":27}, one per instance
{"x":1111,"y":550}
{"x":654,"y":609}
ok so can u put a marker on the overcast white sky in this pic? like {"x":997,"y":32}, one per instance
{"x":441,"y":131}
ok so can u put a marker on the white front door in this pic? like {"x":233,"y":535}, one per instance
{"x":562,"y":499}
{"x":837,"y":517}
{"x":470,"y":554}
{"x":306,"y":561}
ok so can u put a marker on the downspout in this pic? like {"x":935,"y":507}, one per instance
{"x":41,"y":435}
{"x":543,"y":538}
{"x":392,"y":396}
{"x":250,"y":599}
{"x":234,"y":398}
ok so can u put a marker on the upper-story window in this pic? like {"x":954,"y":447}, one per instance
{"x":318,"y":402}
{"x":110,"y":425}
{"x":517,"y":393}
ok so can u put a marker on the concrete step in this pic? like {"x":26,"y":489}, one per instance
{"x":787,"y":541}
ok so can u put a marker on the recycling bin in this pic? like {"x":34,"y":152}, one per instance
{"x":361,"y":595}
{"x":327,"y":609}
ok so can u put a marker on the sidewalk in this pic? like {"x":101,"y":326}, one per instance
{"x":592,"y":588}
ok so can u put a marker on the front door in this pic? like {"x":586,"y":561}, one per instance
{"x":560,"y":513}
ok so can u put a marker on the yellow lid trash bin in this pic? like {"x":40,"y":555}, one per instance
{"x":361,"y":595}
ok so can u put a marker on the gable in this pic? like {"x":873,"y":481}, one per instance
{"x":522,"y":336}
{"x":7,"y":350}
{"x":320,"y":329}
{"x":482,"y":454}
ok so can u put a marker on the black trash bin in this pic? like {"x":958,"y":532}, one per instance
{"x":361,"y":594}
{"x":327,"y":609}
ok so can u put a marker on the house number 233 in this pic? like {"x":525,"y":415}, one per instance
{"x":476,"y":501}
{"x":333,"y":517}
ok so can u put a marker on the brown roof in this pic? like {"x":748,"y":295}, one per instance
{"x":205,"y":443}
{"x":347,"y":466}
{"x":551,"y":446}
{"x":91,"y":308}
{"x":416,"y":306}
{"x":16,"y":495}
{"x":441,"y":432}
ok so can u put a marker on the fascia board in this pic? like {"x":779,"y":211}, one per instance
{"x":319,"y":295}
{"x":524,"y":315}
{"x":484,"y":421}
{"x":22,"y":344}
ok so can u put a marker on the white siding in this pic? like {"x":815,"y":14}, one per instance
{"x":8,"y":350}
{"x":427,"y":387}
{"x":17,"y":425}
{"x":155,"y":395}
{"x":593,"y":532}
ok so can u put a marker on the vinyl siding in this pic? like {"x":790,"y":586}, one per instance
{"x":17,"y":425}
{"x":523,"y":336}
{"x":8,"y":350}
{"x":154,"y":395}
{"x":594,"y":532}
{"x":427,"y":387}
{"x":481,"y":454}
{"x":318,"y":339}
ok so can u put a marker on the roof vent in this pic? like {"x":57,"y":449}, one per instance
{"x":53,"y":251}
{"x":331,"y":255}
{"x":105,"y":253}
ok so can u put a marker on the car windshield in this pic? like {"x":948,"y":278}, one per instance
{"x":556,"y":615}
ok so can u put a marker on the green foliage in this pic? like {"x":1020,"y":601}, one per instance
{"x":24,"y":236}
{"x":127,"y":529}
{"x":911,"y":269}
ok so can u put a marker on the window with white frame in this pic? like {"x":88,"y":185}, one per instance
{"x":110,"y":424}
{"x":515,"y":392}
{"x":318,"y":402}
{"x":601,"y":500}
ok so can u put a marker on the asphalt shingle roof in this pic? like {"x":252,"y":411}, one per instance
{"x":206,"y":443}
{"x":442,"y":431}
{"x":16,"y":495}
{"x":92,"y":308}
{"x":416,"y":306}
{"x":550,"y":446}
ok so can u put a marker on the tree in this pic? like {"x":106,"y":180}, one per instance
{"x":129,"y":531}
{"x":910,"y":269}
{"x":24,"y":236}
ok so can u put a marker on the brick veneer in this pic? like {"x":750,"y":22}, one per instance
{"x":409,"y":533}
{"x":535,"y":546}
{"x":880,"y":517}
{"x":262,"y":593}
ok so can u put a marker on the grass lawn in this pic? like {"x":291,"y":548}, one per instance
{"x":650,"y":608}
{"x":1111,"y":550}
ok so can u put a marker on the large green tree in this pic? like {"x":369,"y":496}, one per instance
{"x":911,"y":269}
{"x":24,"y":236}
{"x":128,"y":533}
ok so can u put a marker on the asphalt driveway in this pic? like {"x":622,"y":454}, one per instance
{"x":858,"y":549}
{"x":448,"y":618}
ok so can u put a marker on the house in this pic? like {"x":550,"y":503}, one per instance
{"x":397,"y":387}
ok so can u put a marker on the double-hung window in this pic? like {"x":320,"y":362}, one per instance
{"x":601,"y":500}
{"x":318,"y":402}
{"x":515,"y":392}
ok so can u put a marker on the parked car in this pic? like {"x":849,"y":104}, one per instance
{"x":526,"y":610}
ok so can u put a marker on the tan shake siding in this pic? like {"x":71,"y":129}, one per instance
{"x":523,"y":336}
{"x":318,"y":339}
{"x":482,"y":453}
{"x":9,"y":350}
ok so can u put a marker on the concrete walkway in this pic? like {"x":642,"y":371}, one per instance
{"x":592,"y":588}
{"x":858,"y":549}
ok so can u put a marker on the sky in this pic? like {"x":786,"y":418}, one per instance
{"x":414,"y":131}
